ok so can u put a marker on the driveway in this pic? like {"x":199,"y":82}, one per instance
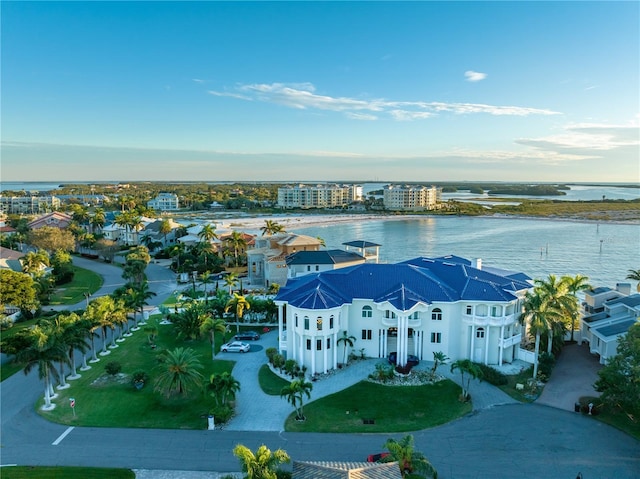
{"x":573,"y":376}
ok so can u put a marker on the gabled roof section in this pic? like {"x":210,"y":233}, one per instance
{"x":421,"y":280}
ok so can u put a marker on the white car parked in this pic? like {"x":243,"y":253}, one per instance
{"x":235,"y":347}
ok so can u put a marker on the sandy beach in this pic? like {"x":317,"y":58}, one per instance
{"x":252,"y":224}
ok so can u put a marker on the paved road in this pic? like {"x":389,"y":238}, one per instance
{"x":495,"y":441}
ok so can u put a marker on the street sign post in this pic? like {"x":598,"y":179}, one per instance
{"x":72,"y":403}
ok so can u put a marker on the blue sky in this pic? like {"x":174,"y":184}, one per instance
{"x":321,"y":91}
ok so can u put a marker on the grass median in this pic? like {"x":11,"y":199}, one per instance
{"x":112,"y":401}
{"x":371,"y":407}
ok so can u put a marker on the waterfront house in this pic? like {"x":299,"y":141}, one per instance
{"x":267,"y":259}
{"x":418,"y":307}
{"x":608,"y":314}
{"x":305,"y":262}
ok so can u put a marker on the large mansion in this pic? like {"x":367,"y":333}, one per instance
{"x":417,"y":307}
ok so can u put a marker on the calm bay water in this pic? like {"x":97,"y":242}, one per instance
{"x":604,"y":252}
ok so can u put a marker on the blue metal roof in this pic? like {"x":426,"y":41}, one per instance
{"x":420,"y":280}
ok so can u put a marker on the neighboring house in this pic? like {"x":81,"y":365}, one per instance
{"x":305,"y":262}
{"x":193,"y":235}
{"x":417,"y":307}
{"x":6,"y":230}
{"x":345,"y":470}
{"x":152,"y":231}
{"x":164,"y":202}
{"x":608,"y":314}
{"x":267,"y":259}
{"x":10,"y":259}
{"x":56,"y":219}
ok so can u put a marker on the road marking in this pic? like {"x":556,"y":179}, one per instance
{"x":62,"y":436}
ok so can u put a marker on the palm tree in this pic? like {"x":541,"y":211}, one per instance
{"x":634,"y":274}
{"x":164,"y":230}
{"x":236,"y":243}
{"x":106,"y":313}
{"x":32,"y":262}
{"x":208,"y":233}
{"x":271,"y":227}
{"x":537,"y":313}
{"x":472,"y":370}
{"x":224,"y":387}
{"x":141,"y":295}
{"x":98,"y":220}
{"x":409,"y":460}
{"x":188,"y":323}
{"x":574,"y":286}
{"x":43,"y":351}
{"x":231,"y":281}
{"x":239,"y":304}
{"x":71,"y":331}
{"x":295,"y":392}
{"x":212,"y":326}
{"x":346,"y":340}
{"x":261,"y":465}
{"x":438,"y":358}
{"x":179,"y":372}
{"x":553,"y":292}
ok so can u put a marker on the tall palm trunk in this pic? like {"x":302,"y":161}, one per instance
{"x":63,"y":381}
{"x":47,"y":392}
{"x":535,"y":359}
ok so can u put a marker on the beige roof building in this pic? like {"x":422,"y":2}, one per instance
{"x":345,"y":470}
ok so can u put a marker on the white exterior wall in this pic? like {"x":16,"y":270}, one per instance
{"x":458,"y":333}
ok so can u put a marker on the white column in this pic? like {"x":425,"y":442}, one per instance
{"x":473,"y":338}
{"x":280,"y":325}
{"x":314,"y":351}
{"x":486,"y":346}
{"x":501,"y":345}
{"x":324,"y":355}
{"x":335,"y":350}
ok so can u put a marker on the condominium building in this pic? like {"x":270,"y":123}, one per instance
{"x":28,"y":204}
{"x":318,"y":196}
{"x":411,"y":197}
{"x":164,"y":202}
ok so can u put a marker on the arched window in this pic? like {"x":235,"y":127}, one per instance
{"x":367,"y":312}
{"x":480,"y":333}
{"x":319,"y":323}
{"x":436,"y":314}
{"x":306,"y":322}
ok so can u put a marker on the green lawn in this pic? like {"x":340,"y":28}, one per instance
{"x":74,"y":292}
{"x":271,"y":383}
{"x":393,"y":409}
{"x":113,"y":402}
{"x":43,"y":472}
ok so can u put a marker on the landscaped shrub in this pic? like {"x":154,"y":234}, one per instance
{"x":113,"y":368}
{"x":278,"y":361}
{"x":271,"y":352}
{"x":139,"y":378}
{"x":221,"y":414}
{"x":281,"y":474}
{"x":290,"y":366}
{"x":383,"y":372}
{"x":546,"y":362}
{"x":492,"y":375}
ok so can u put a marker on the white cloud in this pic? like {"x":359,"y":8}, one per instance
{"x":472,"y":76}
{"x":303,"y":96}
{"x":360,"y":116}
{"x":588,"y":136}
